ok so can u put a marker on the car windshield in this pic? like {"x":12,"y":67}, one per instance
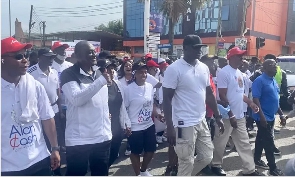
{"x":287,"y":64}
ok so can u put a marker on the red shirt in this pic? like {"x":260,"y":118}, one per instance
{"x":209,"y":111}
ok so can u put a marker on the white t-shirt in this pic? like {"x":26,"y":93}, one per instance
{"x":152,"y":80}
{"x":60,"y":68}
{"x":22,"y":145}
{"x":190,"y":83}
{"x":232,"y":79}
{"x":123,"y":82}
{"x":247,"y":85}
{"x":139,"y":103}
{"x":50,"y":83}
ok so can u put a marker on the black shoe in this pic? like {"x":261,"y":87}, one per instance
{"x":261,"y":164}
{"x":218,"y":171}
{"x":276,"y":151}
{"x":171,"y":171}
{"x":276,"y":131}
{"x":206,"y":172}
{"x":250,"y":135}
{"x":255,"y":173}
{"x":276,"y":172}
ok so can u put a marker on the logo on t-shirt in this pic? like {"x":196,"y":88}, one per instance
{"x":145,"y":113}
{"x":22,"y":137}
{"x":240,"y":82}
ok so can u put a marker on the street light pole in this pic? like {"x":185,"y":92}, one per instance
{"x":9,"y":19}
{"x":146,"y":25}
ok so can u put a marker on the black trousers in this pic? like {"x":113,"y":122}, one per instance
{"x":96,"y":154}
{"x":41,"y":168}
{"x":264,"y":140}
{"x":115,"y":148}
{"x":211,"y":126}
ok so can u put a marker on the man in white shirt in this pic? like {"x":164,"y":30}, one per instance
{"x":230,"y":86}
{"x":186,"y":90}
{"x":48,"y":77}
{"x":88,"y":129}
{"x":25,"y":113}
{"x":59,"y":64}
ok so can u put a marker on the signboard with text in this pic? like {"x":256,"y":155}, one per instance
{"x":156,"y":22}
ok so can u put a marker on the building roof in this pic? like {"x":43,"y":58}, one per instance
{"x":94,"y":35}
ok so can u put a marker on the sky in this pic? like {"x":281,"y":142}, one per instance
{"x":60,"y":15}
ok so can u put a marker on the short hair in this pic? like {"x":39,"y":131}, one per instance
{"x":33,"y":54}
{"x":253,"y":59}
{"x":270,"y":56}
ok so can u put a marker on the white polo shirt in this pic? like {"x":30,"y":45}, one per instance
{"x":87,"y":113}
{"x":22,"y":145}
{"x":232,"y":79}
{"x":50,"y":83}
{"x":60,"y":68}
{"x":189,"y":82}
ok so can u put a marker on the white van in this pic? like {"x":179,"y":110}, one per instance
{"x":287,"y":63}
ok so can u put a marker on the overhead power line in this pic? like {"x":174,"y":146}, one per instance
{"x":77,"y":11}
{"x":98,"y":5}
{"x":90,"y":15}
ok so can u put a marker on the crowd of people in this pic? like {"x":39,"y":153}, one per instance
{"x":85,"y":107}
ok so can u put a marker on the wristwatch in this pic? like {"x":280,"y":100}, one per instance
{"x":55,"y":149}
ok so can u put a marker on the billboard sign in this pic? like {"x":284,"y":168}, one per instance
{"x":156,"y":22}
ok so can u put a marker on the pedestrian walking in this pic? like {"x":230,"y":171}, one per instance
{"x":265,"y":91}
{"x":231,"y":91}
{"x":139,"y":101}
{"x":186,"y":90}
{"x":25,"y":113}
{"x":88,"y":129}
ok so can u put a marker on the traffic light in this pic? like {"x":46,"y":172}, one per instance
{"x":260,"y":42}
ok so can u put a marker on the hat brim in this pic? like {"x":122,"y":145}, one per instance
{"x":140,"y":67}
{"x":22,"y":47}
{"x":49,"y":54}
{"x":157,"y":66}
{"x":200,"y":45}
{"x":241,"y":52}
{"x":63,"y":45}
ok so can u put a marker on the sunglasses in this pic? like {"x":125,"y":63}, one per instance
{"x":19,"y":56}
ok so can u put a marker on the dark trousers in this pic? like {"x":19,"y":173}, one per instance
{"x":211,"y":126}
{"x":264,"y":140}
{"x":160,"y":133}
{"x":115,"y":148}
{"x":41,"y":168}
{"x":96,"y":154}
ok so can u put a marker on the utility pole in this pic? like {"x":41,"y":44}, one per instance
{"x":245,"y":6}
{"x":218,"y":31}
{"x":146,"y":25}
{"x":43,"y":35}
{"x":9,"y":19}
{"x":30,"y":23}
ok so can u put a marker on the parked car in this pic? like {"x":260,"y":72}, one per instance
{"x":287,"y":63}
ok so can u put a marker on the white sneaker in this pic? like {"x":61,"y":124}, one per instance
{"x":146,"y":173}
{"x":159,"y":139}
{"x":164,"y":139}
{"x":127,"y":153}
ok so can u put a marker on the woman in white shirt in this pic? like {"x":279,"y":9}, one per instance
{"x":125,"y":73}
{"x":140,"y":107}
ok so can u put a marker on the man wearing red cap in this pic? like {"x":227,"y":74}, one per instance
{"x":26,"y":112}
{"x":230,"y":86}
{"x":148,"y":57}
{"x":60,"y":64}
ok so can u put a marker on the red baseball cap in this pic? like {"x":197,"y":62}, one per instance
{"x":58,"y":44}
{"x":148,"y":56}
{"x":9,"y":45}
{"x":163,"y":65}
{"x":152,"y":63}
{"x":235,"y":51}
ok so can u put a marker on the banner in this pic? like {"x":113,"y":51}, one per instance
{"x":156,"y":22}
{"x":70,"y":50}
{"x":94,"y":43}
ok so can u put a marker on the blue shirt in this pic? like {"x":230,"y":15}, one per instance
{"x":266,"y":89}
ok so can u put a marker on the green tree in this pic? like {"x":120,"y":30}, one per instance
{"x":174,"y":9}
{"x":115,"y":27}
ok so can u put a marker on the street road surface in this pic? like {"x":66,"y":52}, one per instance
{"x":285,"y":141}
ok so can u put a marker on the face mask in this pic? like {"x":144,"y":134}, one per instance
{"x":60,"y":57}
